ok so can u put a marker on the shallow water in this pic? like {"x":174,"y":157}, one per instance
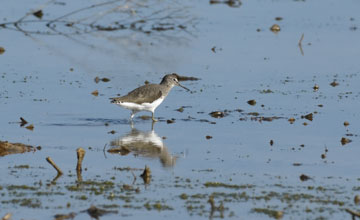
{"x":48,"y":77}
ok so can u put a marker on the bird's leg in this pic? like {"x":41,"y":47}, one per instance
{"x":153,"y":118}
{"x":132,"y":115}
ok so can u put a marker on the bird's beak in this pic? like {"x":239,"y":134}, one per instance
{"x":183,"y":87}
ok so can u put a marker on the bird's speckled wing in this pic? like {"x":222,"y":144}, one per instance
{"x":146,"y":93}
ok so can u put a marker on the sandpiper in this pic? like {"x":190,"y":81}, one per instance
{"x":148,"y":97}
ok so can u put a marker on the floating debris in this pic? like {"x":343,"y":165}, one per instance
{"x":213,"y":49}
{"x":346,"y":123}
{"x":95,"y":212}
{"x":22,"y":122}
{"x":208,"y":137}
{"x":230,"y":3}
{"x":291,"y":120}
{"x":275,"y":28}
{"x":146,"y":175}
{"x":308,"y":116}
{"x":316,"y":87}
{"x":112,"y":132}
{"x":334,"y":83}
{"x":7,"y":148}
{"x":251,"y":102}
{"x":39,"y":14}
{"x":304,"y":177}
{"x":266,"y":91}
{"x":217,"y":114}
{"x":2,"y":50}
{"x":357,"y":199}
{"x":181,"y":109}
{"x":95,"y":93}
{"x":145,"y":117}
{"x":71,"y":215}
{"x":122,"y":150}
{"x":97,"y":79}
{"x":278,"y":18}
{"x":105,"y":79}
{"x":345,"y":141}
{"x":170,"y":121}
{"x":30,"y":127}
{"x":323,"y":156}
{"x":272,"y":213}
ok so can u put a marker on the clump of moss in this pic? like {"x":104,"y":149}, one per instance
{"x":272,"y":213}
{"x":158,"y":206}
{"x":224,"y":185}
{"x":20,"y":187}
{"x":22,"y":167}
{"x":183,"y":196}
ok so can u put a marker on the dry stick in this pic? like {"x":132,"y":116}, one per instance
{"x":353,"y":213}
{"x":7,"y":216}
{"x":50,"y":161}
{"x":80,"y":156}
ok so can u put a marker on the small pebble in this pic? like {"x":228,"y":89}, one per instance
{"x":275,"y":28}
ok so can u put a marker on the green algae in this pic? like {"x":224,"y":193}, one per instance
{"x":183,"y":196}
{"x":22,"y":167}
{"x":224,"y":185}
{"x":25,"y":202}
{"x":271,"y":213}
{"x":20,"y":187}
{"x":157,"y":206}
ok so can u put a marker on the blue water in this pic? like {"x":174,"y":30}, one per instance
{"x":48,"y":80}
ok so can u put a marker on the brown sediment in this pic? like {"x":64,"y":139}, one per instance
{"x":7,"y":148}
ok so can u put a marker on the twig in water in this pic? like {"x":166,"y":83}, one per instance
{"x":80,"y":156}
{"x":7,"y":216}
{"x":353,"y":213}
{"x":300,"y":44}
{"x":50,"y":161}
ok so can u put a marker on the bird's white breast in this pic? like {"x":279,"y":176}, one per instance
{"x":143,"y":106}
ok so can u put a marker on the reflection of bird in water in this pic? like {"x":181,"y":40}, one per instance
{"x":146,"y":144}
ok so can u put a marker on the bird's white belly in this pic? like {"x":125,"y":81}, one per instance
{"x":142,"y":107}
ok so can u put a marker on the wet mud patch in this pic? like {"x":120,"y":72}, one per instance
{"x":7,"y":148}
